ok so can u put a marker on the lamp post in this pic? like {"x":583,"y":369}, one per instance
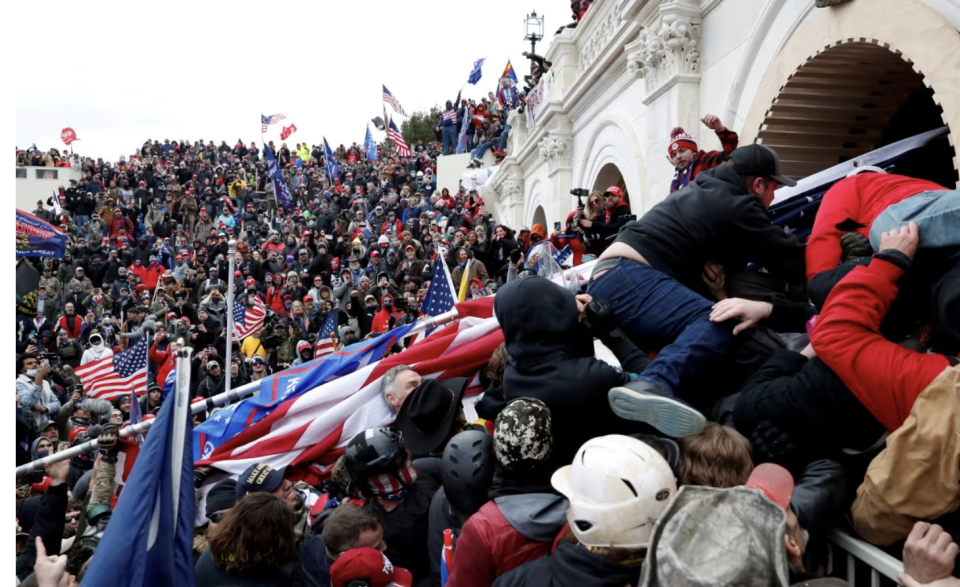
{"x":533,"y":27}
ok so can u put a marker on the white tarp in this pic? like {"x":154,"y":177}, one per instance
{"x":473,"y":179}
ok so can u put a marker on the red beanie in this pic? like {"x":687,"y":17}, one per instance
{"x":680,"y":139}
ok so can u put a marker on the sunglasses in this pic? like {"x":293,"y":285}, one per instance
{"x":216,"y":517}
{"x":72,"y":518}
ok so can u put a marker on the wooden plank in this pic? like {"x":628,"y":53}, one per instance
{"x":859,"y":70}
{"x":812,"y":153}
{"x":775,"y":123}
{"x":848,"y":101}
{"x":827,"y":108}
{"x":840,"y":133}
{"x":842,"y":84}
{"x":864,"y":94}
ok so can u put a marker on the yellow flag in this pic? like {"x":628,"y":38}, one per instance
{"x":462,"y":296}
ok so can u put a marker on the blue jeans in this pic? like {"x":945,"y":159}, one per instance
{"x":504,"y":134}
{"x":649,"y":303}
{"x":449,"y":135}
{"x":82,"y":221}
{"x":937,"y":214}
{"x":479,"y":151}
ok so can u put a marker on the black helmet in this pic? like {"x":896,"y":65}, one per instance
{"x":468,"y":464}
{"x":373,"y":452}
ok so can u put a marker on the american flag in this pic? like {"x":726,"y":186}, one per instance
{"x":266,"y":121}
{"x":394,"y":135}
{"x":310,"y":430}
{"x":114,"y":376}
{"x":394,"y":103}
{"x":325,"y":344}
{"x":440,"y":298}
{"x":247,"y":321}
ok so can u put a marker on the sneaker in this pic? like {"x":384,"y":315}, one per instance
{"x":642,"y":401}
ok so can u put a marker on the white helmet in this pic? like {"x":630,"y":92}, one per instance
{"x":617,"y":486}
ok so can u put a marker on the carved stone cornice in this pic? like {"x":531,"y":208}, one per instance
{"x":556,"y":148}
{"x":667,"y":50}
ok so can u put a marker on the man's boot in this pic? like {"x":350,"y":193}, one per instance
{"x":645,"y":402}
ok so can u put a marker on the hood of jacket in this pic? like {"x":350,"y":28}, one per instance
{"x":538,"y":516}
{"x":540,"y":322}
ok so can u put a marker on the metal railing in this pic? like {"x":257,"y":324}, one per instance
{"x":881,"y":568}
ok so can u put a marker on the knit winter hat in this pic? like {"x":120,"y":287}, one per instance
{"x":680,"y":139}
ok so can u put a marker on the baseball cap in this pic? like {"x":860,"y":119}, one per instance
{"x":613,"y":190}
{"x":259,"y":477}
{"x":523,"y":434}
{"x":759,"y":160}
{"x":370,"y":567}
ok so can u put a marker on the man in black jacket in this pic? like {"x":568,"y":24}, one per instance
{"x":652,"y":273}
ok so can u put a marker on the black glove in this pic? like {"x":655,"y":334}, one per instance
{"x":515,"y":256}
{"x":199,"y":476}
{"x":601,"y":318}
{"x":854,"y":245}
{"x":107,"y":443}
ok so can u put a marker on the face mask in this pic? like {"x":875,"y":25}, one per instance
{"x":31,"y":373}
{"x":287,"y":305}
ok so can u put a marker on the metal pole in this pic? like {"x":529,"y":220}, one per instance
{"x":232,"y":253}
{"x":197,"y":407}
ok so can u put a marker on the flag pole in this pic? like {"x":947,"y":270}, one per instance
{"x":232,"y":252}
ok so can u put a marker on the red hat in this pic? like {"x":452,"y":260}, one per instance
{"x":238,"y":273}
{"x":74,"y":432}
{"x":250,"y":281}
{"x":308,"y":297}
{"x":171,"y":315}
{"x":614,"y":190}
{"x":374,"y":253}
{"x":370,"y":565}
{"x":140,"y":287}
{"x":409,"y":248}
{"x":680,"y":139}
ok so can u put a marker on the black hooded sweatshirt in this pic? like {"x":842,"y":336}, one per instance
{"x":572,"y":565}
{"x":552,"y":359}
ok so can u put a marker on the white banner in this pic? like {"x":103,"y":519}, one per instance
{"x":474,"y":179}
{"x":538,"y":98}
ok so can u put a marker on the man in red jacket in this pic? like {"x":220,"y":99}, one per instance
{"x":852,"y":204}
{"x":149,"y":274}
{"x":526,"y":514}
{"x":885,"y":377}
{"x":166,"y":359}
{"x":915,"y":395}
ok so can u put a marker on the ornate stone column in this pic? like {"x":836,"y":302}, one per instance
{"x":666,"y":56}
{"x":556,"y":149}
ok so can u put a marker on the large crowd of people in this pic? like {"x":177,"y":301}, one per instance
{"x":767,"y":391}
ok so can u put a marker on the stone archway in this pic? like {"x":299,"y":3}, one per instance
{"x":608,"y":176}
{"x":848,"y":100}
{"x":540,"y":217}
{"x":899,"y":49}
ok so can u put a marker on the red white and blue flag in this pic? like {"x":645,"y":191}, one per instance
{"x":440,"y":299}
{"x":114,"y":376}
{"x":392,"y":101}
{"x":309,"y":430}
{"x":247,"y":321}
{"x":394,"y":135}
{"x":266,"y":121}
{"x":326,"y":345}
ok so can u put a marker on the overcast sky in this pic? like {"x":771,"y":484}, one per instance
{"x":119,"y":74}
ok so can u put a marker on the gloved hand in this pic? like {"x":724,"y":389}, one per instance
{"x":854,"y":245}
{"x":107,"y":443}
{"x":515,"y":255}
{"x":771,"y":444}
{"x":601,"y":318}
{"x":200,"y":475}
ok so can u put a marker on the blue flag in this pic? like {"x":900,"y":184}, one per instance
{"x":38,"y":238}
{"x":330,"y":162}
{"x":279,"y":186}
{"x":475,"y":74}
{"x":150,"y":536}
{"x":230,"y":421}
{"x":462,"y":138}
{"x":370,"y":147}
{"x":135,"y":413}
